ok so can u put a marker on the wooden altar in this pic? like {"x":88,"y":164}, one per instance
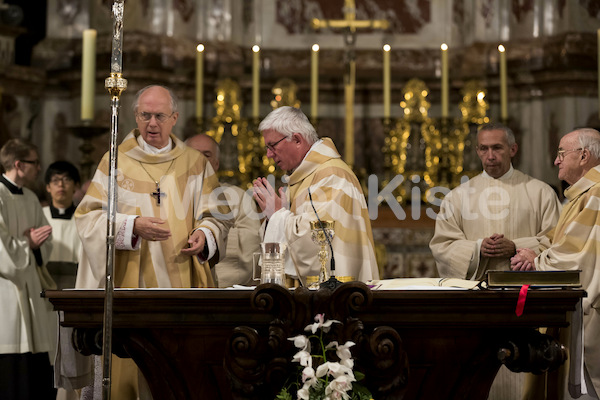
{"x":411,"y":344}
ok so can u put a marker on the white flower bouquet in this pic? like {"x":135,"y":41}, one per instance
{"x":331,"y":380}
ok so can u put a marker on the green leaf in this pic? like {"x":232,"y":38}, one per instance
{"x":359,"y":392}
{"x":284,"y":395}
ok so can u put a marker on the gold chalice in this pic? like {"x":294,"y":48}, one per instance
{"x":318,"y":231}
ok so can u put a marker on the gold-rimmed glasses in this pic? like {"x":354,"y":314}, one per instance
{"x":560,"y":154}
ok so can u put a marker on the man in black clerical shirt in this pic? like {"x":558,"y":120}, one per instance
{"x":28,"y":329}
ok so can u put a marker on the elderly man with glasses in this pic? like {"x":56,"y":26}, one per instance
{"x":320,"y":186}
{"x":575,"y":244}
{"x":168,"y":226}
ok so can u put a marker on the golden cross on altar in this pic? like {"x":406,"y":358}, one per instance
{"x":349,"y":24}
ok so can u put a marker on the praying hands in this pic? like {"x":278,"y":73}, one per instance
{"x":266,"y":197}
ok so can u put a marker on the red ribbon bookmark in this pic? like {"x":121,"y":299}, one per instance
{"x":521,"y":300}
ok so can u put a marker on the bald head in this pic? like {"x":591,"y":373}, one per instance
{"x":207,"y":146}
{"x":578,"y":152}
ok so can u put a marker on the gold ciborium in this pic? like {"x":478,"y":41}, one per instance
{"x":318,"y":231}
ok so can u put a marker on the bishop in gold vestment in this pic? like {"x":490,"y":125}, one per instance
{"x":337,"y":196}
{"x":167,"y":222}
{"x":575,"y":244}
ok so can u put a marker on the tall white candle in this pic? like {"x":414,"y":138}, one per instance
{"x":199,"y":80}
{"x":386,"y":81}
{"x":314,"y":82}
{"x":88,"y":74}
{"x":444,"y":48}
{"x":255,"y":81}
{"x":503,"y":93}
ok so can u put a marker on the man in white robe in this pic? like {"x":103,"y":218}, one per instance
{"x":62,"y":181}
{"x":316,"y":170}
{"x":28,"y":327}
{"x":483,"y":221}
{"x":243,"y":239}
{"x":167,"y":224}
{"x":575,"y":245}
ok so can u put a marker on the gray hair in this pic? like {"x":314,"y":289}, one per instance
{"x":589,"y":139}
{"x":496,"y":126}
{"x":141,"y":91}
{"x":287,"y":121}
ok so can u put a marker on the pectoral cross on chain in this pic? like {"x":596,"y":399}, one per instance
{"x":156,"y":194}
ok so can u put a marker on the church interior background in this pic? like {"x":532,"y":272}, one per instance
{"x":417,"y":121}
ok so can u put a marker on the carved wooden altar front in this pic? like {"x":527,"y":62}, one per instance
{"x":232,"y":344}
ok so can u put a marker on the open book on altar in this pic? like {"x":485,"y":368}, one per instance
{"x":422,"y":284}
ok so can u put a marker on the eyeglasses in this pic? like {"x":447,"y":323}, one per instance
{"x":272,"y":146}
{"x":560,"y":154}
{"x":64,"y":180}
{"x":160,"y":117}
{"x":34,"y":162}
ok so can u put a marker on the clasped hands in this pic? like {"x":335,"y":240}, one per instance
{"x":154,"y":229}
{"x":266,"y":197}
{"x":524,"y":260}
{"x":497,"y":246}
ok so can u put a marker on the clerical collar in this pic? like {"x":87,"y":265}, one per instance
{"x":153,"y":150}
{"x":507,"y":175}
{"x":10,"y":185}
{"x":62,"y":213}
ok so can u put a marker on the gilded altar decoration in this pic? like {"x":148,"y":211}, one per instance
{"x":243,"y":154}
{"x":473,"y":108}
{"x":444,"y":154}
{"x":284,"y":94}
{"x":432,"y":152}
{"x":228,"y":129}
{"x":405,"y":148}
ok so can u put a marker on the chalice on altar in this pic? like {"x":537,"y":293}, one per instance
{"x":322,"y":234}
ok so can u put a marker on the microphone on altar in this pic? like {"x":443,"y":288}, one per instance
{"x":332,"y":282}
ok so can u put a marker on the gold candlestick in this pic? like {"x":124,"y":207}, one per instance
{"x":318,"y":231}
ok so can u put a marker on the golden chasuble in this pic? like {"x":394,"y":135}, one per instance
{"x":337,"y":196}
{"x":186,"y":181}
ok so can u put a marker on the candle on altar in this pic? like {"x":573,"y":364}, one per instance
{"x":314,"y":82}
{"x":88,"y":74}
{"x":503,"y":95}
{"x":444,"y":48}
{"x":386,"y":81}
{"x":199,"y":81}
{"x":255,"y":81}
